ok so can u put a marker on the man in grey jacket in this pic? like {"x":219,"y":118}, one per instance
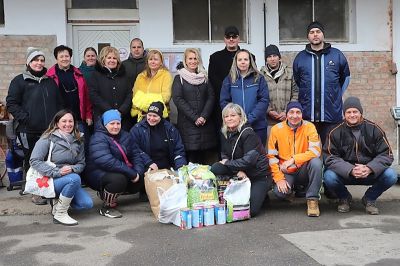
{"x":357,"y":152}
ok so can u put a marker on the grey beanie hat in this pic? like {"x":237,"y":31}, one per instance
{"x":352,"y":102}
{"x":31,"y":53}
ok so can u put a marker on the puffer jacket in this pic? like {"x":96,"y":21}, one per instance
{"x":302,"y":144}
{"x":252,"y":95}
{"x":248,"y":155}
{"x":322,"y":81}
{"x":192,"y":102}
{"x":33,"y":102}
{"x":85,"y":106}
{"x":104,"y":156}
{"x":342,"y":150}
{"x":133,"y":67}
{"x":67,"y":150}
{"x":140,"y":133}
{"x":281,"y":92}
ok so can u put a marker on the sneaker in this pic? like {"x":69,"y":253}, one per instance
{"x":110,"y":212}
{"x":370,"y":206}
{"x":38,"y":200}
{"x":312,"y":208}
{"x":344,"y":204}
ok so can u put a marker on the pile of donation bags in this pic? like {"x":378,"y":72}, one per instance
{"x":194,"y":197}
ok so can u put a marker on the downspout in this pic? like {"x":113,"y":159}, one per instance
{"x":265,"y":26}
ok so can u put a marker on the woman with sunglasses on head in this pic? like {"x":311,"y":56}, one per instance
{"x":109,"y":87}
{"x":73,"y":87}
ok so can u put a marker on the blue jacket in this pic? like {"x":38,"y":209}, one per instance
{"x":322,"y":81}
{"x":104,"y":156}
{"x":141,"y":135}
{"x":251,"y":95}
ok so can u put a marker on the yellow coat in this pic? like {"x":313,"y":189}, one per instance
{"x":284,"y":143}
{"x":147,"y":90}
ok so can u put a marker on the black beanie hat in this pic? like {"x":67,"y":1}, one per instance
{"x":157,"y":108}
{"x":352,"y":102}
{"x":315,"y":24}
{"x":272,"y":50}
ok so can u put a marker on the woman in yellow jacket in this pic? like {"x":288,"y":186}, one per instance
{"x":152,"y":85}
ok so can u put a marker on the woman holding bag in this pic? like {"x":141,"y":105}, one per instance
{"x":243,"y":155}
{"x":69,"y":158}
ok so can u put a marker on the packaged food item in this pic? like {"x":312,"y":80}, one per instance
{"x":186,"y":218}
{"x":197,"y":217}
{"x":209,"y":216}
{"x":220,"y":214}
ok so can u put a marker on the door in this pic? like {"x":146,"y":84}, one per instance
{"x":118,"y":36}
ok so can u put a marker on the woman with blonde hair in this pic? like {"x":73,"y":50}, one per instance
{"x":153,"y":84}
{"x":242,"y":155}
{"x":109,"y":87}
{"x":194,"y":99}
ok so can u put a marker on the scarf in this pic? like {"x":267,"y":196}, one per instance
{"x":192,"y":78}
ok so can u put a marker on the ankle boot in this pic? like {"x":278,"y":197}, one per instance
{"x":61,"y":212}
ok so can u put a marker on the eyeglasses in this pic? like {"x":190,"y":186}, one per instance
{"x":233,"y":37}
{"x":69,"y":91}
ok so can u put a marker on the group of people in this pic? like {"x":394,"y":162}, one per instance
{"x":107,"y":122}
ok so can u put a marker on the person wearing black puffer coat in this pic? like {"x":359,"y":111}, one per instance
{"x":114,"y":165}
{"x":109,"y":87}
{"x":243,"y":155}
{"x":194,"y":99}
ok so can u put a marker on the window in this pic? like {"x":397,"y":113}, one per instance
{"x":1,"y":12}
{"x":103,"y":4}
{"x":206,"y":20}
{"x":295,"y":15}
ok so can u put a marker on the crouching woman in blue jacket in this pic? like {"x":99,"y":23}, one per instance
{"x":114,"y":166}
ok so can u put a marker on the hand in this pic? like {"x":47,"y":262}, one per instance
{"x":357,"y":171}
{"x":89,"y":122}
{"x":241,"y":175}
{"x":135,"y":179}
{"x":153,"y":166}
{"x":283,"y":186}
{"x":363,"y":170}
{"x":223,"y":161}
{"x":282,"y":116}
{"x":65,"y":170}
{"x":274,"y":115}
{"x":200,"y":121}
{"x":284,"y":166}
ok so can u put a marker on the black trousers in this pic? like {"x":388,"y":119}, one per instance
{"x":28,"y":141}
{"x":119,"y":183}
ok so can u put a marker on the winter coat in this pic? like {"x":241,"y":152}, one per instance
{"x":141,"y":136}
{"x":85,"y":106}
{"x":67,"y":150}
{"x":322,"y":81}
{"x":104,"y":156}
{"x":33,"y":102}
{"x":281,"y":92}
{"x":110,"y":90}
{"x":133,"y":67}
{"x":86,"y":71}
{"x":342,"y":150}
{"x":302,"y":144}
{"x":251,"y":95}
{"x":249,"y":154}
{"x":192,"y":102}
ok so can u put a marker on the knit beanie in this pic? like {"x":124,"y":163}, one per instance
{"x":156,"y":108}
{"x":272,"y":50}
{"x":352,"y":102}
{"x":31,"y":53}
{"x":315,"y":24}
{"x":111,"y":115}
{"x":291,"y":105}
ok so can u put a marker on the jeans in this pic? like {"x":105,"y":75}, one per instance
{"x":70,"y":186}
{"x":309,"y":175}
{"x":380,"y":184}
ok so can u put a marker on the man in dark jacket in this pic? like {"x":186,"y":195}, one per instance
{"x":357,"y":153}
{"x":322,"y":75}
{"x":136,"y":60}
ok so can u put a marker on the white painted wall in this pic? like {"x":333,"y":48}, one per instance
{"x":369,"y":23}
{"x":38,"y":17}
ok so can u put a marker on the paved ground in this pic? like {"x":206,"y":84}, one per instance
{"x":281,"y":235}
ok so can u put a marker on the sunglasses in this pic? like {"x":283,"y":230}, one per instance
{"x":231,"y":37}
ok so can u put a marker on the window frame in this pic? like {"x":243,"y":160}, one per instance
{"x":2,"y":14}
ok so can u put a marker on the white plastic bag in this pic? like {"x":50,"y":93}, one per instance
{"x":238,"y":192}
{"x":171,"y":201}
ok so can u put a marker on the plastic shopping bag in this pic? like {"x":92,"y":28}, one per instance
{"x":237,"y":196}
{"x":171,"y":202}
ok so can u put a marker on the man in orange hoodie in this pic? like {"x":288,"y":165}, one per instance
{"x":294,"y":149}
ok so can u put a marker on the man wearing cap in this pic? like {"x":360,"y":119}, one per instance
{"x":322,"y":75}
{"x":281,"y":85}
{"x":358,"y":153}
{"x":293,"y":152}
{"x":33,"y":99}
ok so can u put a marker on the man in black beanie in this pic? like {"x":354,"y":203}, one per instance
{"x":357,"y":152}
{"x":281,"y":85}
